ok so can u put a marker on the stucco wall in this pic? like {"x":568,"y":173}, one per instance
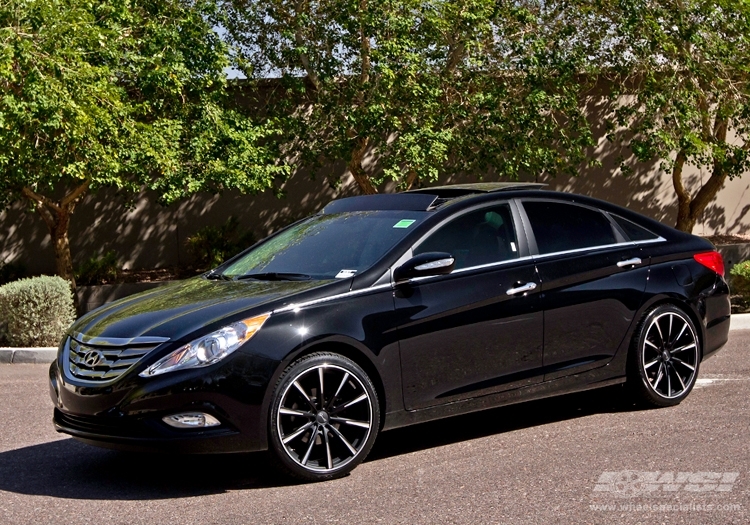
{"x":150,"y":235}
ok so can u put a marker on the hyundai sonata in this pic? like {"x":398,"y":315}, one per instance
{"x":387,"y":310}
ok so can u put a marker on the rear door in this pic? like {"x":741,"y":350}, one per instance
{"x":592,"y":283}
{"x":477,"y":330}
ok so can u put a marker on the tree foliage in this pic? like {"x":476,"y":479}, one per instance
{"x":120,"y":93}
{"x":424,"y":88}
{"x":681,"y":76}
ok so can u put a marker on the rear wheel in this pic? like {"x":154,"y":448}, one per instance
{"x":324,"y":417}
{"x":664,"y":357}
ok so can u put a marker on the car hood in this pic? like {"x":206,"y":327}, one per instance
{"x":176,"y":310}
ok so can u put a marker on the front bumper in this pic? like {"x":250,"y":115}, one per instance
{"x":127,"y":414}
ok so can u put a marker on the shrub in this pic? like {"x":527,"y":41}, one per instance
{"x":36,"y":311}
{"x":212,"y":245}
{"x":97,"y":270}
{"x":740,"y":281}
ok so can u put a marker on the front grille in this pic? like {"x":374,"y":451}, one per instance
{"x":102,"y":363}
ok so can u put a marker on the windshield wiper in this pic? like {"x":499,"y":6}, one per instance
{"x":275,"y":276}
{"x":217,"y":276}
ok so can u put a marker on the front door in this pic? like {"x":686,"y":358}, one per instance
{"x":477,"y":330}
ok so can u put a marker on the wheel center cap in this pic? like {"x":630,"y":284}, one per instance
{"x":665,"y":355}
{"x":322,"y":417}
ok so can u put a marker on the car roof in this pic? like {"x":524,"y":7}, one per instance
{"x":423,"y":199}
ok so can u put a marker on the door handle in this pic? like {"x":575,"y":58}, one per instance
{"x":521,"y":289}
{"x":635,"y":261}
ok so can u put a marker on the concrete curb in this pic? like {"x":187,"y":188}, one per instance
{"x":36,"y":356}
{"x":47,"y":355}
{"x":740,"y":322}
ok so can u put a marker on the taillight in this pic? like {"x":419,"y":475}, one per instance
{"x":712,"y":260}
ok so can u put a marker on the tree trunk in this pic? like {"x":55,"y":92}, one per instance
{"x":684,"y":221}
{"x":689,"y":208}
{"x":61,"y":246}
{"x":357,"y":171}
{"x":56,"y":215}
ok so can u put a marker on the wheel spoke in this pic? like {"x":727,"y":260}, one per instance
{"x":649,"y":343}
{"x":682,"y":383}
{"x":293,"y":412}
{"x":355,"y":401}
{"x":343,"y":440}
{"x":684,"y":326}
{"x":659,"y":376}
{"x":669,"y":334}
{"x":341,"y":385}
{"x":649,"y":365}
{"x":352,"y":422}
{"x":304,"y":394}
{"x":328,"y":448}
{"x":301,"y":430}
{"x":669,"y":380}
{"x":683,"y":348}
{"x":691,"y":367}
{"x":322,"y":394}
{"x":658,"y":328}
{"x":311,"y":445}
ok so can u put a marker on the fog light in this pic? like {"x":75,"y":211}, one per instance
{"x":191,"y":420}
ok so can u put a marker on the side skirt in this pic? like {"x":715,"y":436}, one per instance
{"x":590,"y":380}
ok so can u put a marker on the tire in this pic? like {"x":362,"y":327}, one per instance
{"x":664,"y":357}
{"x":317,"y":434}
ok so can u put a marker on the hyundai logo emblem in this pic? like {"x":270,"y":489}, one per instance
{"x":92,"y":358}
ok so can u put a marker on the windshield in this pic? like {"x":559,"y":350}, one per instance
{"x":333,"y":246}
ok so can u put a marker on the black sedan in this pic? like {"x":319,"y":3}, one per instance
{"x":387,"y":310}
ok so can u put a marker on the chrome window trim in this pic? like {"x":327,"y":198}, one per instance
{"x":599,"y":247}
{"x":651,"y":241}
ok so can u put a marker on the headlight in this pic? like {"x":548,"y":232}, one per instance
{"x":208,"y":349}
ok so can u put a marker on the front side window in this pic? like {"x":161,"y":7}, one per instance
{"x":479,"y":237}
{"x":560,"y":227}
{"x":328,"y":246}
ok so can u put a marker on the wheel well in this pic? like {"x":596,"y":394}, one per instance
{"x":355,"y":355}
{"x":688,"y":311}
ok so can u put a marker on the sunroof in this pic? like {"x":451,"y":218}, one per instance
{"x":457,"y":190}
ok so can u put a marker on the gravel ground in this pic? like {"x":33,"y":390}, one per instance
{"x":583,"y":458}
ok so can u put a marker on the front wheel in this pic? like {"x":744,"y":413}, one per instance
{"x":324,"y":417}
{"x":665,"y":357}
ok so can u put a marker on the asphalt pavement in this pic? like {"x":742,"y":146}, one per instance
{"x":591,"y":457}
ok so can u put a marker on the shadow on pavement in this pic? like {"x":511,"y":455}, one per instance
{"x":69,"y":469}
{"x":498,"y":420}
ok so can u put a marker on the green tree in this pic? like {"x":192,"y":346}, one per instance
{"x":681,"y":76}
{"x":441,"y":86}
{"x":119,"y":93}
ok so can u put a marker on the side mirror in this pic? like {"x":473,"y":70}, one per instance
{"x":425,"y":265}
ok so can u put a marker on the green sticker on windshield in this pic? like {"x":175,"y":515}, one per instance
{"x":404,"y":223}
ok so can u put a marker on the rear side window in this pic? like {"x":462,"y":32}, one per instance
{"x":633,"y":231}
{"x":479,"y":237}
{"x":560,"y":227}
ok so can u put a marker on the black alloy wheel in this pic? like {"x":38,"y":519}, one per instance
{"x":665,"y":357}
{"x":325,"y":417}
